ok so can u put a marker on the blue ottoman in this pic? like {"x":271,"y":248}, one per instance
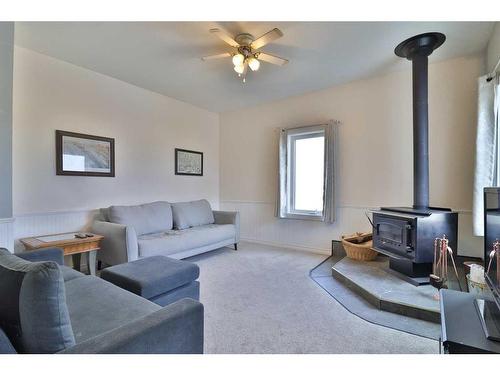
{"x":159,"y":279}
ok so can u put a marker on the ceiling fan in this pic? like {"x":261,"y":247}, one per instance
{"x":247,"y":54}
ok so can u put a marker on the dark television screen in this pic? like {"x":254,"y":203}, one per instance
{"x":492,"y":236}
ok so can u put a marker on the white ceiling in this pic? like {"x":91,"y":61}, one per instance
{"x":165,"y":56}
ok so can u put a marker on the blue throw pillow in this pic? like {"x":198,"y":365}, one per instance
{"x":33,"y":312}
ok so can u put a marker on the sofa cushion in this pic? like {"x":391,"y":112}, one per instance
{"x":33,"y":312}
{"x":145,"y":218}
{"x":174,"y":241}
{"x":192,"y":214}
{"x":96,"y":306}
{"x":53,"y":254}
{"x":104,"y":213}
{"x":69,"y":273}
{"x":152,"y":276}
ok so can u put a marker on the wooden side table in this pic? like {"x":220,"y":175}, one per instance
{"x":70,"y":245}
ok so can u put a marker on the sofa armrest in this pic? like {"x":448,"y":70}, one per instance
{"x":174,"y":329}
{"x":119,"y":244}
{"x":229,"y":217}
{"x":53,"y":254}
{"x":226,"y":217}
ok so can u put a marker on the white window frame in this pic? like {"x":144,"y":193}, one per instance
{"x":293,"y":135}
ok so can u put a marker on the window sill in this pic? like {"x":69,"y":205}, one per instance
{"x":303,"y":217}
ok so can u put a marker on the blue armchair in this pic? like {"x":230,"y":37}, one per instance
{"x":108,"y":319}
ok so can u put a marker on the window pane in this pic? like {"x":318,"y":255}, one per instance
{"x":309,"y":173}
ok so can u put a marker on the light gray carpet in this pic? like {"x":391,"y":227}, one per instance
{"x":260,"y":299}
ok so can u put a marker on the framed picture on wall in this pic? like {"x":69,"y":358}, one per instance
{"x":84,"y":155}
{"x":188,"y":163}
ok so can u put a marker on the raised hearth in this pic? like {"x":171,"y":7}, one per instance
{"x":375,"y":282}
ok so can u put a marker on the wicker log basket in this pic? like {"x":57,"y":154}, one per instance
{"x":359,"y":246}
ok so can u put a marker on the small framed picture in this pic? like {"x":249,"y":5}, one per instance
{"x":84,"y":155}
{"x":188,"y":163}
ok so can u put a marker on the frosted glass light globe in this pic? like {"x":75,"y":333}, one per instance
{"x":238,"y":59}
{"x":239,"y":69}
{"x":253,"y":63}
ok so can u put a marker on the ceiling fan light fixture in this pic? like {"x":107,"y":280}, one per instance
{"x":239,"y":68}
{"x":246,"y":52}
{"x":254,"y":64}
{"x":238,"y":59}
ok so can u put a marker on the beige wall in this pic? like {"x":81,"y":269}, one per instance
{"x":374,"y":152}
{"x":376,"y":131}
{"x":50,"y":94}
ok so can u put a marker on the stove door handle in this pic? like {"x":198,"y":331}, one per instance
{"x":408,"y":238}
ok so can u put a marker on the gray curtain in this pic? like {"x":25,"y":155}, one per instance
{"x":329,"y":188}
{"x":329,"y":200}
{"x":487,"y":144}
{"x":282,"y":161}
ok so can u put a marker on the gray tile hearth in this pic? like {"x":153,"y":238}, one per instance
{"x":386,"y":291}
{"x":359,"y":305}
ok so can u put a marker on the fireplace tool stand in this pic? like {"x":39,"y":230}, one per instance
{"x":491,"y":255}
{"x":439,"y":276}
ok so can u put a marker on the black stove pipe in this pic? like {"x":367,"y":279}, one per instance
{"x":420,"y":132}
{"x":417,"y":49}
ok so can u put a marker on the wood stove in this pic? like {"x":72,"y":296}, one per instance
{"x":406,"y":234}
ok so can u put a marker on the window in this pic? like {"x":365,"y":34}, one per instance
{"x":303,"y":173}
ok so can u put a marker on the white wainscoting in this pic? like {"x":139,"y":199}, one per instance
{"x":38,"y":224}
{"x":7,"y":233}
{"x":258,"y":224}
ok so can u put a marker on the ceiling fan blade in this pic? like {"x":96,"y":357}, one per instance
{"x":266,"y":38}
{"x":219,"y":56}
{"x":225,"y":37}
{"x":267,"y":57}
